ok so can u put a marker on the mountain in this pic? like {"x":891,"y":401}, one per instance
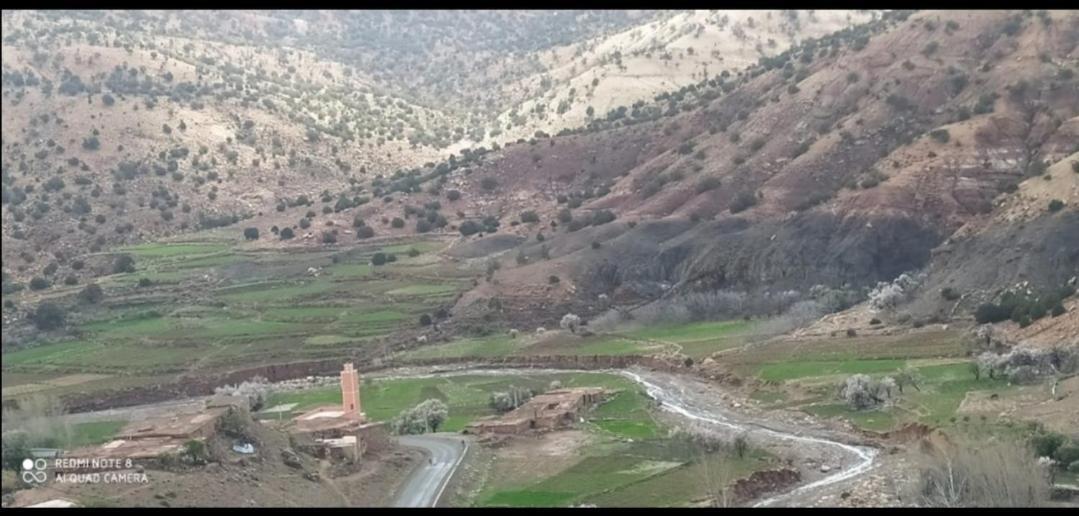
{"x":124,"y":126}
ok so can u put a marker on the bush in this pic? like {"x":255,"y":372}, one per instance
{"x":124,"y":263}
{"x":469,"y":227}
{"x":743,"y":201}
{"x":251,"y":234}
{"x":1056,"y":205}
{"x":529,"y":217}
{"x":553,"y":280}
{"x":489,"y":183}
{"x":305,"y":223}
{"x":378,"y":259}
{"x":1045,"y":445}
{"x":940,"y":135}
{"x":91,"y":294}
{"x":425,"y":320}
{"x":39,"y":283}
{"x":48,"y":316}
{"x":453,"y":195}
{"x":949,"y":294}
{"x":365,"y":232}
{"x":287,"y":234}
{"x":329,"y":237}
{"x":708,"y":183}
{"x":413,"y":252}
{"x":602,"y":217}
{"x":1067,"y":454}
{"x":991,"y":313}
{"x":397,"y":222}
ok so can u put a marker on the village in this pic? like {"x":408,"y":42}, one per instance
{"x":339,"y":434}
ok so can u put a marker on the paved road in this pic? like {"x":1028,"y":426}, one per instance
{"x":425,"y":485}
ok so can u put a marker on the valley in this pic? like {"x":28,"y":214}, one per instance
{"x":744,"y":258}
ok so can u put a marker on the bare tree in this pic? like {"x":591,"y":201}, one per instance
{"x":995,"y":474}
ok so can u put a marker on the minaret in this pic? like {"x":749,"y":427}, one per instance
{"x":350,"y":392}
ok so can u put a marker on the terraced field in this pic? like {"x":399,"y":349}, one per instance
{"x":216,"y":303}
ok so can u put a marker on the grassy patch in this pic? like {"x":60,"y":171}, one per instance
{"x":876,"y":420}
{"x":422,"y":290}
{"x":97,"y":432}
{"x":493,"y":346}
{"x":791,"y":370}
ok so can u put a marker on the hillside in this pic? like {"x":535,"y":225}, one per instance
{"x":124,"y":126}
{"x":847,"y":168}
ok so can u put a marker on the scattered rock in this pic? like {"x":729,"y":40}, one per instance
{"x":290,"y":458}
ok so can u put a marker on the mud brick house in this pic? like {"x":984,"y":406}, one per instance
{"x":548,"y":411}
{"x":339,"y":432}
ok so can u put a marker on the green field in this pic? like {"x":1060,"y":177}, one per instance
{"x":658,"y":472}
{"x":97,"y":432}
{"x":467,"y":397}
{"x":214,"y":304}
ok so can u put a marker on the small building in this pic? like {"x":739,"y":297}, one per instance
{"x":548,"y":411}
{"x":340,"y":432}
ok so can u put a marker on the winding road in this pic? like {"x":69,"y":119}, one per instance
{"x":691,"y":399}
{"x":685,"y":397}
{"x":425,"y":485}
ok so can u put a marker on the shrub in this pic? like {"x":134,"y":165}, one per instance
{"x":1067,"y":454}
{"x":565,"y":216}
{"x":469,"y":227}
{"x":413,"y":252}
{"x":287,"y":234}
{"x":940,"y":135}
{"x":489,"y":183}
{"x":365,"y":232}
{"x":453,"y":195}
{"x":251,"y":234}
{"x":1056,"y":205}
{"x":949,"y":294}
{"x":91,"y":294}
{"x":529,"y":217}
{"x":743,"y":201}
{"x":602,"y":217}
{"x":708,"y":183}
{"x":145,"y":282}
{"x":39,"y":283}
{"x":397,"y":222}
{"x":329,"y":237}
{"x":991,"y":313}
{"x":48,"y":316}
{"x":553,"y":280}
{"x":378,"y":259}
{"x":305,"y":223}
{"x":425,"y":320}
{"x":1045,"y":445}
